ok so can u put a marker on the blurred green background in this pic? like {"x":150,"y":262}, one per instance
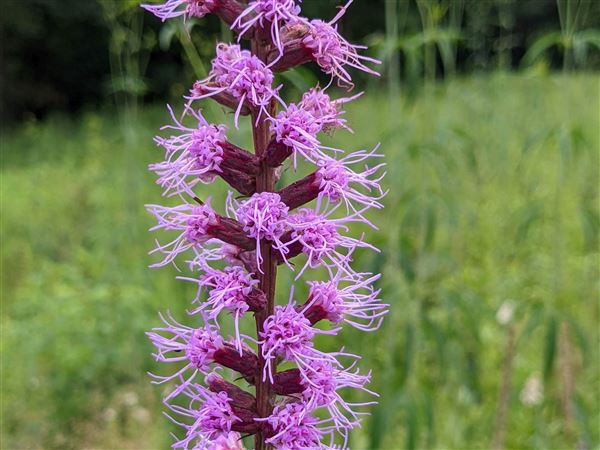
{"x":488,"y":114}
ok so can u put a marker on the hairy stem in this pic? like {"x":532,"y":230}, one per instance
{"x":265,"y":182}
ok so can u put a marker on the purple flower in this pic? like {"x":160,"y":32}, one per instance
{"x":294,"y":428}
{"x":271,"y":14}
{"x":264,"y":217}
{"x":226,"y":10}
{"x":212,"y":419}
{"x":350,"y":299}
{"x":297,"y":129}
{"x":195,"y":153}
{"x":192,"y":220}
{"x":236,"y":257}
{"x":176,"y":342}
{"x":319,"y":238}
{"x":325,"y":111}
{"x":231,"y":289}
{"x":288,"y":334}
{"x":322,"y":381}
{"x":240,"y":74}
{"x":177,"y":8}
{"x":339,"y":183}
{"x":231,"y":441}
{"x":332,"y":52}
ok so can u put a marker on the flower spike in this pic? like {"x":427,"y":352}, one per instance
{"x":233,"y":252}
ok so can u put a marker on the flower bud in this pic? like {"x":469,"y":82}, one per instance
{"x":243,"y":404}
{"x":300,"y":192}
{"x":288,"y":382}
{"x":246,"y":363}
{"x":228,"y":10}
{"x":242,"y":182}
{"x":239,"y":397}
{"x":248,"y":259}
{"x":224,"y":98}
{"x":276,"y":153}
{"x":230,"y":231}
{"x":256,"y":300}
{"x":237,"y":158}
{"x":314,"y":313}
{"x":295,"y":53}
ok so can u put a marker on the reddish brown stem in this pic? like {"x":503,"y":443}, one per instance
{"x":265,"y":182}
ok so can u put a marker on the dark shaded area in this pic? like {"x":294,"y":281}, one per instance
{"x":55,"y":53}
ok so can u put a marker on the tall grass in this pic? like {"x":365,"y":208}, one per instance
{"x":493,"y":199}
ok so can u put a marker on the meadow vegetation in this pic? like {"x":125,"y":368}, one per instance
{"x":489,"y":254}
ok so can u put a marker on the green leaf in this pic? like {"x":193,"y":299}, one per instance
{"x":412,"y":425}
{"x":590,"y":222}
{"x":407,"y":354}
{"x":549,"y":347}
{"x":301,"y":78}
{"x":540,"y":46}
{"x":166,"y":34}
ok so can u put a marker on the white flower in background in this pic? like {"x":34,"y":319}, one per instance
{"x":129,"y":398}
{"x":533,"y":390}
{"x":505,"y":313}
{"x":141,"y":415}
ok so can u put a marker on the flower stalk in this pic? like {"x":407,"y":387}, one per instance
{"x":265,"y":182}
{"x":266,"y":227}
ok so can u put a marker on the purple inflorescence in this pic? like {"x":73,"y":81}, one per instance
{"x":333,"y":53}
{"x":325,"y":111}
{"x":188,"y":8}
{"x":264,"y":217}
{"x":191,"y":157}
{"x":357,"y":190}
{"x":211,"y":414}
{"x":297,"y":128}
{"x":294,"y":428}
{"x":178,"y":343}
{"x":350,"y":299}
{"x":232,"y":253}
{"x":268,"y":14}
{"x":241,"y":75}
{"x":192,"y":220}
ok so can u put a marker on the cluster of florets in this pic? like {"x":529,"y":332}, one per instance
{"x":305,"y":225}
{"x":237,"y":79}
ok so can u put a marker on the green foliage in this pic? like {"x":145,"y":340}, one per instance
{"x":579,"y":43}
{"x":493,"y":200}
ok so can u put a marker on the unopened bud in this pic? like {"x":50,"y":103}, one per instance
{"x":242,"y":182}
{"x":248,"y":259}
{"x":228,"y":10}
{"x":243,"y":404}
{"x":239,"y":397}
{"x":237,"y":158}
{"x":276,"y":153}
{"x":256,"y":300}
{"x":224,"y":98}
{"x":287,"y":382}
{"x":230,"y":231}
{"x":314,"y":313}
{"x":300,"y":192}
{"x":246,"y":363}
